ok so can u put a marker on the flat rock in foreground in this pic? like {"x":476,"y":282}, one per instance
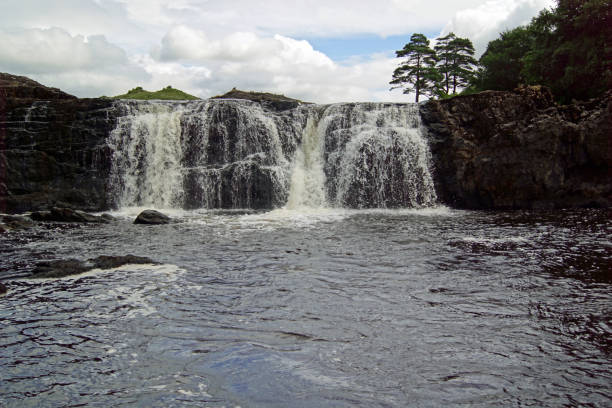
{"x":67,"y":267}
{"x":67,"y":215}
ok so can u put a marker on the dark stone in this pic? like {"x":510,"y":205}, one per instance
{"x":152,"y":217}
{"x":53,"y":151}
{"x":267,"y":100}
{"x":3,"y":288}
{"x":511,"y":150}
{"x":60,"y":268}
{"x":67,"y":267}
{"x":67,"y":215}
{"x":15,"y":86}
{"x":14,"y":222}
{"x":109,"y":262}
{"x":108,"y":217}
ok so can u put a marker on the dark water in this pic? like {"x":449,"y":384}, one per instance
{"x":339,"y":309}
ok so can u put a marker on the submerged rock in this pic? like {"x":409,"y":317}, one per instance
{"x":152,"y":217}
{"x":59,"y":268}
{"x":3,"y":288}
{"x":67,"y":267}
{"x":16,"y":222}
{"x":108,"y":217}
{"x":67,"y":215}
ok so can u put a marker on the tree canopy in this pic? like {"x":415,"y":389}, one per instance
{"x":417,"y":72}
{"x":434,"y":72}
{"x":568,"y":49}
{"x":456,"y":61}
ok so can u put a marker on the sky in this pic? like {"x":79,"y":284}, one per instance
{"x":321,"y":51}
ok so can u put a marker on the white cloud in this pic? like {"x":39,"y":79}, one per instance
{"x":209,"y":46}
{"x":278,"y":64}
{"x":53,"y":50}
{"x":186,"y":44}
{"x":301,"y":18}
{"x":485,"y":22}
{"x":86,"y":66}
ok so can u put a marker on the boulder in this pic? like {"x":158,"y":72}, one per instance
{"x":3,"y":288}
{"x":152,"y":217}
{"x":67,"y":215}
{"x":67,"y":267}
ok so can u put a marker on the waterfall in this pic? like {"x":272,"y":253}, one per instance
{"x":147,"y":153}
{"x":376,"y":156}
{"x":238,"y":154}
{"x":307,"y":187}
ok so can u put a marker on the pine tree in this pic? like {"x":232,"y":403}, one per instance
{"x":445,"y":56}
{"x":456,"y":61}
{"x":418,"y":71}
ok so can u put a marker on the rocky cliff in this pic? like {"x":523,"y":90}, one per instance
{"x":493,"y":150}
{"x":510,"y":150}
{"x":52,"y":147}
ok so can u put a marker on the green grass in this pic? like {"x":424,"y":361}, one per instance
{"x":167,"y":93}
{"x":255,"y":96}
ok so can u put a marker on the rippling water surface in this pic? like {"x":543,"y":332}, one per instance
{"x":430,"y":307}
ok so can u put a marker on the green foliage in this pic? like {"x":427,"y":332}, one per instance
{"x":502,"y":62}
{"x":568,"y":49}
{"x":418,"y":71}
{"x":167,"y":93}
{"x":456,"y":61}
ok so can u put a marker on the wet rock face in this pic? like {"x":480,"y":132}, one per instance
{"x":52,"y":148}
{"x":507,"y":150}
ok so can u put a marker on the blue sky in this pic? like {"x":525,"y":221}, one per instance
{"x":362,"y":46}
{"x":315,"y":50}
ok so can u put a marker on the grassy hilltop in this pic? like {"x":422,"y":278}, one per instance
{"x":168,"y":93}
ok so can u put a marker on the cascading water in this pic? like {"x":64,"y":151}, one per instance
{"x":147,"y":155}
{"x":307,"y":187}
{"x":236,"y":154}
{"x":376,"y":156}
{"x":204,"y":154}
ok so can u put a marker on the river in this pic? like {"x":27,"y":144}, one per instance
{"x":314,"y":308}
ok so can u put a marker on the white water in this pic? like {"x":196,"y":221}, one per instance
{"x":307,"y":189}
{"x":235,"y":154}
{"x":380,"y":157}
{"x":146,"y":167}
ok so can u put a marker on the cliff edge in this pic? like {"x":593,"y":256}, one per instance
{"x":52,"y":147}
{"x":511,"y":150}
